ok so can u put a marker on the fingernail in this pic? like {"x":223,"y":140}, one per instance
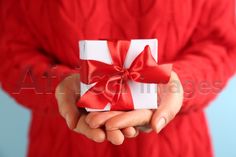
{"x":160,"y":124}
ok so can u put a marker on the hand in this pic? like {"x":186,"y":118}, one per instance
{"x":67,"y":94}
{"x":170,"y":97}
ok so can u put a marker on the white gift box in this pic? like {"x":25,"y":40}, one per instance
{"x":144,"y":95}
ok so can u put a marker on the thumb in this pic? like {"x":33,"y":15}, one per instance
{"x":170,"y":103}
{"x":67,"y":108}
{"x":161,"y":117}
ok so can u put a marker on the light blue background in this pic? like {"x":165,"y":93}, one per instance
{"x":14,"y":122}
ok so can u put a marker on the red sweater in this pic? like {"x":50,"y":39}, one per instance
{"x":39,"y":46}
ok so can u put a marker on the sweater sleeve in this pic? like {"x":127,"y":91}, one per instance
{"x":209,"y":60}
{"x":27,"y":73}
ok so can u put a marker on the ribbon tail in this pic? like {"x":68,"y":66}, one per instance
{"x":123,"y":99}
{"x":94,"y":98}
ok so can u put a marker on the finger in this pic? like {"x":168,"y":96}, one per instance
{"x":68,"y":109}
{"x":97,"y":135}
{"x":130,"y":132}
{"x":165,"y":112}
{"x":115,"y":137}
{"x":97,"y":119}
{"x":129,"y":119}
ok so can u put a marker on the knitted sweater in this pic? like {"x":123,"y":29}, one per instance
{"x":39,"y":47}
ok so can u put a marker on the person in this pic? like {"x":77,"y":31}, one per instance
{"x":39,"y":57}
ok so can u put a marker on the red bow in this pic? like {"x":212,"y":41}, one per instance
{"x":111,"y":80}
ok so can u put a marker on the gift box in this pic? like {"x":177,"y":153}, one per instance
{"x":120,"y":75}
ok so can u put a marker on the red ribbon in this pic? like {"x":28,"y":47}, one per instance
{"x":111,"y":80}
